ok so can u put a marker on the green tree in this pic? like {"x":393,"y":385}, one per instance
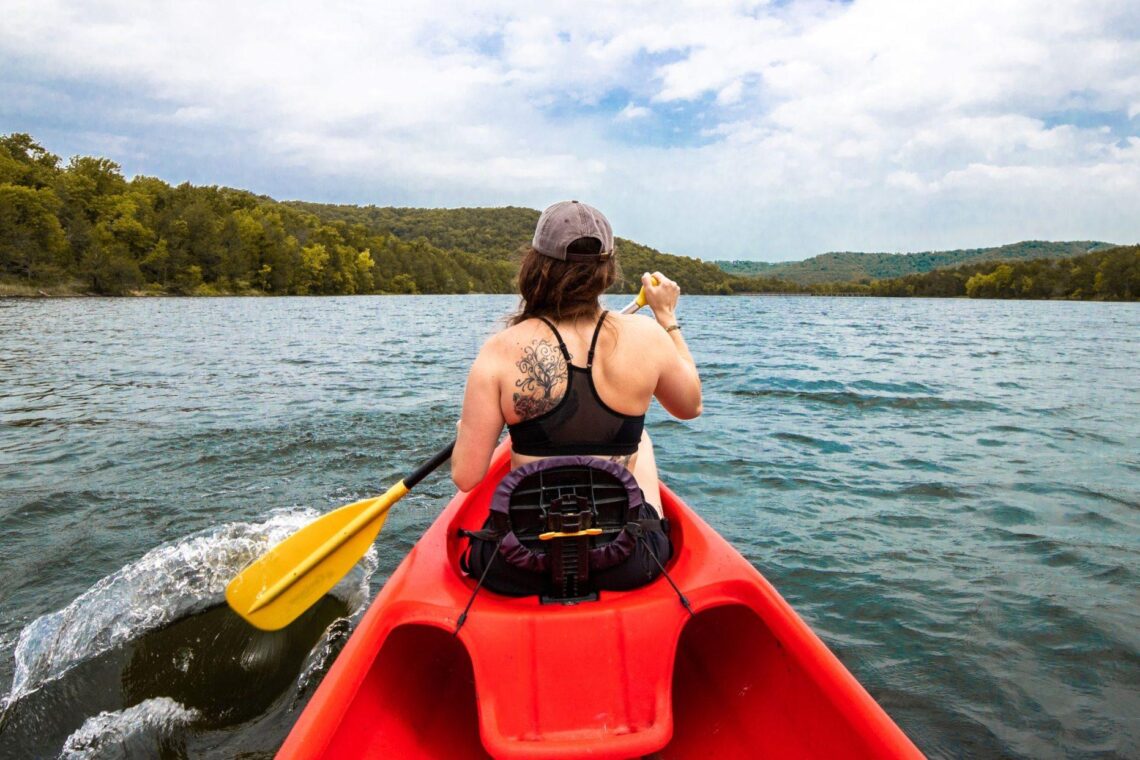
{"x":88,"y":182}
{"x":403,"y":283}
{"x":1118,"y":275}
{"x":32,"y":243}
{"x":314,"y":258}
{"x":111,"y":272}
{"x":120,"y":229}
{"x":188,"y":280}
{"x":24,"y":162}
{"x":156,"y":264}
{"x":364,"y":267}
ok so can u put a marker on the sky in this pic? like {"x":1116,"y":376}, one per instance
{"x":721,"y":130}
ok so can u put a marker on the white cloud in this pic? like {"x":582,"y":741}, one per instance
{"x":193,"y":114}
{"x":631,"y":112}
{"x":730,"y":93}
{"x":780,"y":131}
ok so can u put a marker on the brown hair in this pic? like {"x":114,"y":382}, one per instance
{"x":563,"y":290}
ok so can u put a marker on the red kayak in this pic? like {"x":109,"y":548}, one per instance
{"x":630,"y":675}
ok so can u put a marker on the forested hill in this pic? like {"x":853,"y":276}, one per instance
{"x":1112,"y":274}
{"x":496,"y":234}
{"x":81,"y":227}
{"x":864,"y":267}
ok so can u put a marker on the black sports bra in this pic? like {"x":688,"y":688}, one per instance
{"x":580,"y":423}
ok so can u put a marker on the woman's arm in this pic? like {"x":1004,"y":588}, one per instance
{"x":479,"y":425}
{"x":679,"y":384}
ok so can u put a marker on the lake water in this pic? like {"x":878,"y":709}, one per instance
{"x":948,"y":491}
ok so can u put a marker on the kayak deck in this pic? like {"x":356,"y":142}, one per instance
{"x":630,"y":675}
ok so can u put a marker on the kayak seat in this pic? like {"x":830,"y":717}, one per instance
{"x":555,"y":525}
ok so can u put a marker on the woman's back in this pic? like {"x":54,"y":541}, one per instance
{"x":534,"y":373}
{"x":554,"y":406}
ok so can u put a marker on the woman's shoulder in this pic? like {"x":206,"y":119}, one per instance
{"x":642,"y":326}
{"x":512,"y":334}
{"x":637,"y":339}
{"x":506,"y":342}
{"x":633,"y":321}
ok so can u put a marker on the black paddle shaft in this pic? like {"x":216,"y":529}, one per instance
{"x":427,"y":467}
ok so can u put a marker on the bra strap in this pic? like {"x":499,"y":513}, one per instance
{"x":561,"y":344}
{"x":594,"y":342}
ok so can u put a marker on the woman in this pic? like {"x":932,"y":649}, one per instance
{"x":567,"y":377}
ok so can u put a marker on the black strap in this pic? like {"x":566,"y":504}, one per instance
{"x":463,"y":617}
{"x":561,"y":344}
{"x":639,"y":527}
{"x":487,"y":534}
{"x":680,"y":594}
{"x":594,"y":342}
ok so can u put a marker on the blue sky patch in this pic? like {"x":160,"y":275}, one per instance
{"x":675,"y":124}
{"x":1117,"y":121}
{"x":488,"y":45}
{"x":667,"y":125}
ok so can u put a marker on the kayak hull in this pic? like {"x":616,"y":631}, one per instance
{"x":630,"y":675}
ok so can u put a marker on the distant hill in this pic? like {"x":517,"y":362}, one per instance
{"x":1112,"y":274}
{"x":496,"y":235}
{"x":856,"y":267}
{"x":493,"y":233}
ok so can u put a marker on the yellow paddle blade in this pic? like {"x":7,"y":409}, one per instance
{"x":288,"y":579}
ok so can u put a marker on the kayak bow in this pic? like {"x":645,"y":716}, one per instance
{"x":629,"y":675}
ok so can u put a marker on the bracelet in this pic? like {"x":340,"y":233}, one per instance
{"x":672,"y":327}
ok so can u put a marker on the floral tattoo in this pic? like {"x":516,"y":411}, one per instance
{"x":543,"y":368}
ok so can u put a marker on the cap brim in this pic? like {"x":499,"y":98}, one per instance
{"x":588,"y":256}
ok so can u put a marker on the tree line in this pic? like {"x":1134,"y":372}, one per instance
{"x":849,"y":267}
{"x":1108,"y":275}
{"x":81,"y":223}
{"x":1104,"y":275}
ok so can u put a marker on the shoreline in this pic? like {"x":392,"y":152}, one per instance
{"x":74,"y":289}
{"x":40,"y":295}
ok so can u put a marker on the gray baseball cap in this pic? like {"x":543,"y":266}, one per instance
{"x":567,"y":221}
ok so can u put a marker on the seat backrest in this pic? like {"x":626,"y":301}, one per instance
{"x":566,"y":508}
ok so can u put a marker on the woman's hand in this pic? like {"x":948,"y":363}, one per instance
{"x":662,"y":297}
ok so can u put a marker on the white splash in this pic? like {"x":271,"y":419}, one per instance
{"x":166,"y":584}
{"x":136,"y":731}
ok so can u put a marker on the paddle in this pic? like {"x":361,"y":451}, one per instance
{"x":276,"y":588}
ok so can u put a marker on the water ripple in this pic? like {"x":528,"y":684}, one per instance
{"x":868,"y":401}
{"x":946,"y":490}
